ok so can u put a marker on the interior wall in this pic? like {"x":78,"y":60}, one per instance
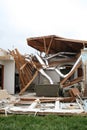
{"x":9,"y":75}
{"x":40,"y":79}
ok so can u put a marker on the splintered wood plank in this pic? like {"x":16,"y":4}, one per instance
{"x":13,"y":53}
{"x":24,"y":77}
{"x":76,"y":80}
{"x":48,"y":99}
{"x":20,"y":57}
{"x":26,"y":69}
{"x":23,"y":90}
{"x":74,"y":92}
{"x":65,"y":79}
{"x":23,"y":66}
{"x":27,"y":75}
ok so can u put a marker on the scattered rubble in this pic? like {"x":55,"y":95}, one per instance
{"x":56,"y":54}
{"x":41,"y":105}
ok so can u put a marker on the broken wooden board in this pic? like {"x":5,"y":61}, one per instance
{"x":64,"y":83}
{"x":27,"y":71}
{"x":74,"y":92}
{"x":43,"y":108}
{"x":74,"y":81}
{"x":48,"y":99}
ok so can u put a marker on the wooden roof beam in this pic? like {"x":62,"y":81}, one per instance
{"x":49,"y":45}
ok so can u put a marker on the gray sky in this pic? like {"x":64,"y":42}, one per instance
{"x":20,"y":19}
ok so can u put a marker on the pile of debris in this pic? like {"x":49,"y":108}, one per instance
{"x":60,"y":55}
{"x":27,"y":71}
{"x":65,"y":58}
{"x":43,"y":105}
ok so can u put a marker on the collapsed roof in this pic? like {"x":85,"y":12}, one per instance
{"x":57,"y":45}
{"x":53,"y":44}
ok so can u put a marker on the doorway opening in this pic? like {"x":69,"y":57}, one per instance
{"x":17,"y":83}
{"x":1,"y":76}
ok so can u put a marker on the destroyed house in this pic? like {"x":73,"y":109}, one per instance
{"x":58,"y":64}
{"x":60,"y":54}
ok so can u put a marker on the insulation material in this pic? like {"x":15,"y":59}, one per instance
{"x":4,"y":94}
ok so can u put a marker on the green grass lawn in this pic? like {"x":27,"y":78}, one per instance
{"x":51,"y":122}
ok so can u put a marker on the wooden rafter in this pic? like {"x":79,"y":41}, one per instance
{"x":45,"y":49}
{"x":23,"y":90}
{"x":49,"y":45}
{"x":59,"y":44}
{"x":27,"y":71}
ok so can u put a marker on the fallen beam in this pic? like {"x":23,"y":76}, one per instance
{"x":74,"y":81}
{"x":75,"y":68}
{"x":23,"y":90}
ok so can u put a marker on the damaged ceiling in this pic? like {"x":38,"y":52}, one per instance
{"x":53,"y":44}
